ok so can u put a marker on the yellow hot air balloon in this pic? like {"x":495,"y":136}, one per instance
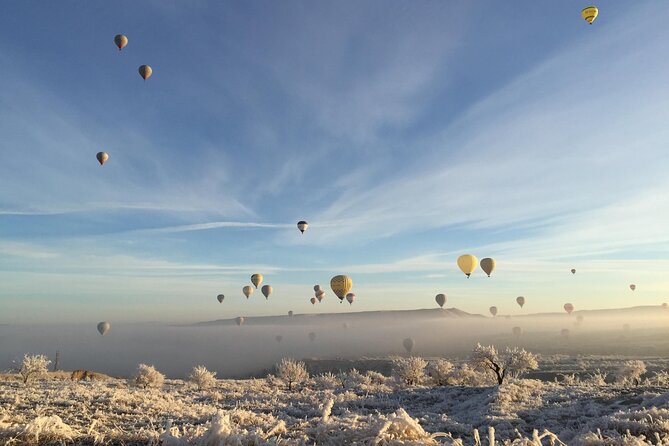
{"x":341,"y":285}
{"x":590,"y":13}
{"x":256,"y":279}
{"x":145,"y":71}
{"x":247,"y":290}
{"x":121,"y":41}
{"x":467,"y":263}
{"x":488,"y":265}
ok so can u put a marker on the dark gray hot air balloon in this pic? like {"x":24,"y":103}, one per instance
{"x":266,"y":290}
{"x":220,"y":298}
{"x":441,"y":299}
{"x":408,"y":344}
{"x":103,"y":327}
{"x":302,"y":226}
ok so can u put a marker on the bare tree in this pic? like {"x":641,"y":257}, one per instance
{"x":202,"y":377}
{"x":292,"y":372}
{"x":512,"y":362}
{"x":148,"y":376}
{"x":34,"y":366}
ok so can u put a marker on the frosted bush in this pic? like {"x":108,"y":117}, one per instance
{"x":465,"y":375}
{"x":202,"y":378}
{"x":440,"y":372}
{"x":597,"y":378}
{"x":148,"y":376}
{"x":291,"y":372}
{"x":660,"y":378}
{"x":47,"y":430}
{"x":326,"y":381}
{"x":376,"y":377}
{"x":33,"y":367}
{"x":409,"y":371}
{"x":629,"y":373}
{"x":512,"y":362}
{"x":570,"y":379}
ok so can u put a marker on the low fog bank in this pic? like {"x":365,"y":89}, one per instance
{"x":252,"y":349}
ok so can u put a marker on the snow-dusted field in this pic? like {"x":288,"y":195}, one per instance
{"x":367,"y":409}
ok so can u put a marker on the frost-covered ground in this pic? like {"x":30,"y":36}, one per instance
{"x":368,"y":409}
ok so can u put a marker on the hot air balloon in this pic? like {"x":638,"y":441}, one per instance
{"x":220,"y":298}
{"x":568,"y":308}
{"x":408,"y":344}
{"x":317,"y":288}
{"x":350,"y":297}
{"x":120,"y":41}
{"x":312,"y":336}
{"x":267,"y":290}
{"x":565,"y":333}
{"x":493,"y":311}
{"x":441,"y":299}
{"x":290,"y":313}
{"x":517,"y":331}
{"x":467,"y":264}
{"x":256,"y":279}
{"x":488,"y":265}
{"x":341,"y":285}
{"x":313,"y":301}
{"x":239,"y":320}
{"x":279,"y":338}
{"x":103,"y":327}
{"x":590,"y":13}
{"x":632,"y":287}
{"x":145,"y":71}
{"x":573,"y":270}
{"x":302,"y":226}
{"x":320,"y":295}
{"x":102,"y":158}
{"x":665,"y":305}
{"x":520,"y":300}
{"x":247,"y":290}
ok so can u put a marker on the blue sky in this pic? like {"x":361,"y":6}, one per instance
{"x":406,"y":133}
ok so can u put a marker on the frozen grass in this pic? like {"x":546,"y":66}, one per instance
{"x":367,"y":409}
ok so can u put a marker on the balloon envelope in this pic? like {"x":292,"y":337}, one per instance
{"x":320,"y":295}
{"x":256,"y":279}
{"x":350,"y":297}
{"x":267,"y":290}
{"x":573,"y":271}
{"x":590,"y":13}
{"x":517,"y":331}
{"x":568,"y":308}
{"x":313,"y":301}
{"x":290,"y":313}
{"x":341,"y":285}
{"x":103,"y":327}
{"x":317,"y":288}
{"x":493,"y":311}
{"x":145,"y":71}
{"x":102,"y":157}
{"x":520,"y":300}
{"x":441,"y":299}
{"x":302,"y":226}
{"x":408,"y":344}
{"x":220,"y":298}
{"x":239,"y":320}
{"x":247,"y":290}
{"x":632,"y":287}
{"x":467,"y":264}
{"x":120,"y":41}
{"x":488,"y":265}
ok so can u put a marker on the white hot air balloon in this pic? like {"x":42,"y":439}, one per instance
{"x":103,"y":327}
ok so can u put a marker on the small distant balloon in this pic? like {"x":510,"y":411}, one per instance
{"x":120,"y":41}
{"x":317,"y":288}
{"x":493,"y":311}
{"x":239,"y":320}
{"x":320,"y":295}
{"x":632,"y":287}
{"x":350,"y":297}
{"x":103,"y":327}
{"x":665,"y":305}
{"x":313,"y":301}
{"x":312,"y":336}
{"x":568,"y":308}
{"x":267,"y":290}
{"x":565,"y":332}
{"x":290,"y":313}
{"x":467,"y":264}
{"x":573,"y":270}
{"x":256,"y":279}
{"x":220,"y":298}
{"x":589,"y":14}
{"x":440,"y":299}
{"x":520,"y":300}
{"x":247,"y":290}
{"x":279,"y":338}
{"x":302,"y":226}
{"x":488,"y":265}
{"x":102,"y":157}
{"x":579,"y":318}
{"x":145,"y":71}
{"x":408,"y":344}
{"x":517,"y":331}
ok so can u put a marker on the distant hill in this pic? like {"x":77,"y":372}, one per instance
{"x":423,"y":314}
{"x":331,"y":318}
